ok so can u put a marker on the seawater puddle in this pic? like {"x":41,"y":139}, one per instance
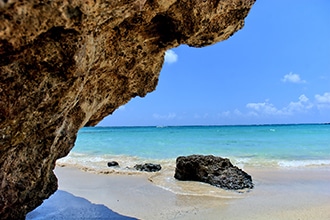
{"x":166,"y":180}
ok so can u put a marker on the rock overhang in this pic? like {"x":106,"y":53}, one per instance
{"x":67,"y":64}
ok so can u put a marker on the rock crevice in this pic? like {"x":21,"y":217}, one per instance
{"x":67,"y":64}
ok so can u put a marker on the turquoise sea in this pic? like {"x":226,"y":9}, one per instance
{"x":298,"y":145}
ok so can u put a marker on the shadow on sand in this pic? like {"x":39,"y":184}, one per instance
{"x":65,"y":206}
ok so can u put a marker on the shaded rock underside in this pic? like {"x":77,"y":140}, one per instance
{"x":67,"y":64}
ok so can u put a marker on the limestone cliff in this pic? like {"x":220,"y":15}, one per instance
{"x":67,"y":64}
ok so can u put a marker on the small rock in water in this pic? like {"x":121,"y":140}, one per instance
{"x":148,"y":167}
{"x":113,"y":164}
{"x":216,"y":171}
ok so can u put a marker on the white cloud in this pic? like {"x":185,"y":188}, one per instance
{"x":169,"y":116}
{"x":323,"y":101}
{"x":263,"y":107}
{"x":252,"y":114}
{"x":224,"y":114}
{"x":201,"y":116}
{"x":171,"y":57}
{"x":266,"y":108}
{"x":325,"y":98}
{"x":229,"y":114}
{"x":237,"y":112}
{"x":198,"y":116}
{"x":302,"y":105}
{"x":293,"y":78}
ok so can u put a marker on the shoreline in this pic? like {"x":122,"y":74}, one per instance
{"x":278,"y":194}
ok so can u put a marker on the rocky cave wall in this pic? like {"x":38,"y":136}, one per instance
{"x":67,"y":64}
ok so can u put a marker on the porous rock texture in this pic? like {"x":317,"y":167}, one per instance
{"x":148,"y":167}
{"x":68,"y":64}
{"x":216,"y":171}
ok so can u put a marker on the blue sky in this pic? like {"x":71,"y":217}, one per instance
{"x":275,"y":70}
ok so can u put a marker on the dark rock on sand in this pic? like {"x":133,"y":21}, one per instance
{"x":113,"y":164}
{"x":148,"y":167}
{"x":216,"y":171}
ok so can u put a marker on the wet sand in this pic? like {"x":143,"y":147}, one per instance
{"x":278,"y":194}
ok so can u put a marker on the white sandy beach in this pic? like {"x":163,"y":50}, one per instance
{"x":278,"y":194}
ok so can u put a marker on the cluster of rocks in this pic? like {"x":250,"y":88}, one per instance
{"x":147,"y":167}
{"x":217,"y":171}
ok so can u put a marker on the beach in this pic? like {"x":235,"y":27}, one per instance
{"x":285,"y":193}
{"x":289,"y":165}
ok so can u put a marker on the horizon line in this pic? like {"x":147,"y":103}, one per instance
{"x":212,"y":125}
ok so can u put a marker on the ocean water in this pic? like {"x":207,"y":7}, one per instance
{"x":255,"y":145}
{"x":259,"y":146}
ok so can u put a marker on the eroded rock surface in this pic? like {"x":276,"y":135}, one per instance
{"x":216,"y":171}
{"x":67,"y":64}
